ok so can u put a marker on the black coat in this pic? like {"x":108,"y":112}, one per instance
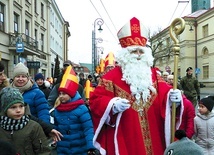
{"x":45,"y":90}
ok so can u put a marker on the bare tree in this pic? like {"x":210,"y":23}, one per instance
{"x":157,"y":43}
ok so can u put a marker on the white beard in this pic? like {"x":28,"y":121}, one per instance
{"x":137,"y":73}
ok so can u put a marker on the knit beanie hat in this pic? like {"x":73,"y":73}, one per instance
{"x":208,"y":102}
{"x":10,"y":96}
{"x":183,"y":146}
{"x":20,"y":69}
{"x":39,"y":76}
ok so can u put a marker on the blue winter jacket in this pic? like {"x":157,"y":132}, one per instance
{"x":37,"y":103}
{"x":77,"y":129}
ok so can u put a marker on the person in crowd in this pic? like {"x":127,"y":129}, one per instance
{"x":90,"y":78}
{"x":96,"y":78}
{"x":170,"y":80}
{"x":128,"y":107}
{"x":165,"y":75}
{"x":3,"y":78}
{"x":82,"y":79}
{"x":185,"y":112}
{"x":72,"y":118}
{"x":190,"y":86}
{"x":204,"y":126}
{"x":47,"y":128}
{"x":54,"y":92}
{"x":184,"y":118}
{"x":50,"y":80}
{"x":32,"y":95}
{"x":109,"y":62}
{"x":183,"y":146}
{"x":44,"y":86}
{"x":17,"y":128}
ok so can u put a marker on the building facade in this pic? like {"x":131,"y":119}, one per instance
{"x":196,"y":47}
{"x":26,"y":29}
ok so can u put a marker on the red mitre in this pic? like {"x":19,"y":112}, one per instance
{"x":132,"y":34}
{"x":69,"y":83}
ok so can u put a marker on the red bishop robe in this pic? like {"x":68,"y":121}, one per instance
{"x":138,"y":130}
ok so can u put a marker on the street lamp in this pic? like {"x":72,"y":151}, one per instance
{"x":99,"y":22}
{"x":195,"y":25}
{"x":99,"y":51}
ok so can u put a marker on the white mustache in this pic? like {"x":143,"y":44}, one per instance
{"x":137,"y":56}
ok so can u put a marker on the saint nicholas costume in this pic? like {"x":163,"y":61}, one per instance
{"x":139,"y":130}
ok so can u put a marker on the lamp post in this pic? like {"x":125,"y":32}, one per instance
{"x":99,"y":52}
{"x":99,"y":22}
{"x":196,"y":49}
{"x":195,"y":24}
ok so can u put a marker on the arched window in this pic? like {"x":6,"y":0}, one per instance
{"x":205,"y":51}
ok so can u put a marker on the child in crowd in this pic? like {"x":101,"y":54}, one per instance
{"x":17,"y":128}
{"x":43,"y":85}
{"x":72,"y":119}
{"x":204,"y":125}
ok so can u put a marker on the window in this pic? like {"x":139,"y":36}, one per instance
{"x":16,"y":23}
{"x":2,"y":17}
{"x":160,"y":46}
{"x":35,"y":6}
{"x":168,"y":41}
{"x":36,"y":37}
{"x":42,"y":42}
{"x":160,"y":61}
{"x":205,"y":51}
{"x":205,"y":30}
{"x":27,"y":24}
{"x":27,"y":33}
{"x":35,"y":34}
{"x":179,"y":73}
{"x":42,"y":10}
{"x":205,"y":72}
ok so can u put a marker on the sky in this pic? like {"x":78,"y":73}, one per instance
{"x":82,"y":15}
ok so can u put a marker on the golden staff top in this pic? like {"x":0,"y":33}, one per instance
{"x":177,"y":26}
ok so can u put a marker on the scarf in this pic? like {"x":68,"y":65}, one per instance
{"x":10,"y":124}
{"x":24,"y":88}
{"x":70,"y":105}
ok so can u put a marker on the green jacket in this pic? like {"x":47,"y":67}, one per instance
{"x":29,"y":140}
{"x":190,"y":86}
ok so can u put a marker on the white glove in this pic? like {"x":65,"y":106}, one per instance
{"x":175,"y":96}
{"x":120,"y":105}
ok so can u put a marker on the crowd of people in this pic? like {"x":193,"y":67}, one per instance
{"x":128,"y":111}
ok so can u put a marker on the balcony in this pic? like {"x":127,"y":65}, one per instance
{"x":30,"y":44}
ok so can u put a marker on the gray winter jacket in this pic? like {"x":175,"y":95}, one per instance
{"x":204,"y":132}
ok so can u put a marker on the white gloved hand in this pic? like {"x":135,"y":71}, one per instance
{"x":175,"y":95}
{"x":120,"y":105}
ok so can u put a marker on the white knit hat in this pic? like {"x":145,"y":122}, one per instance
{"x":20,"y":69}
